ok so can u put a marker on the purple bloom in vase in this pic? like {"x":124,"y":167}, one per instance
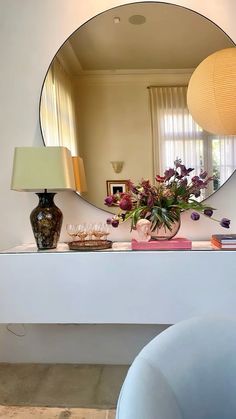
{"x":195,"y":179}
{"x":109,"y":201}
{"x":208,"y":212}
{"x":169,"y":173}
{"x":195,"y":216}
{"x":203,"y":175}
{"x":150,"y":201}
{"x":184,"y":170}
{"x":115,"y":223}
{"x":164,"y":200}
{"x":225,"y":222}
{"x":126,"y":204}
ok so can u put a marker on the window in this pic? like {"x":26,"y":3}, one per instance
{"x":176,"y":135}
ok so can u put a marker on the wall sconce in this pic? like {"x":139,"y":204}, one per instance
{"x":117,"y":166}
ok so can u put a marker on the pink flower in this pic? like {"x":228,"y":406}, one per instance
{"x":160,"y":179}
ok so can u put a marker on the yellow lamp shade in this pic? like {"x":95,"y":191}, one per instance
{"x":37,"y":168}
{"x":211,"y":95}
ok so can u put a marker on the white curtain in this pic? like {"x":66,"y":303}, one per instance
{"x":57,"y":109}
{"x":176,"y":135}
{"x":223,"y":156}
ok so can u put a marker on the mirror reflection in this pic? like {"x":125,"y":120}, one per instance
{"x":115,"y":95}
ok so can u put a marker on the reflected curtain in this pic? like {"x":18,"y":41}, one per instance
{"x":176,"y":135}
{"x":223,"y":156}
{"x":57,"y":109}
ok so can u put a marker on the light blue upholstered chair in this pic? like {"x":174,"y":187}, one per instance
{"x":186,"y":372}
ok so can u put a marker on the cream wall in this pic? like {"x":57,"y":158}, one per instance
{"x":115,"y":125}
{"x":31,"y":32}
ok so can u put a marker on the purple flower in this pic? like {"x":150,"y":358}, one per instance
{"x":183,"y":182}
{"x":203,"y":175}
{"x":169,"y":173}
{"x":190,"y":169}
{"x":184,"y":170}
{"x":109,"y":201}
{"x":160,"y":179}
{"x":208,"y":212}
{"x":131,"y":187}
{"x":109,"y":221}
{"x":145,"y":184}
{"x":195,"y":216}
{"x":225,"y":222}
{"x":115,"y":223}
{"x":150,"y":201}
{"x":126,"y":204}
{"x":177,"y":162}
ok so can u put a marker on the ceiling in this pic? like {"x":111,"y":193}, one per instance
{"x":172,"y":37}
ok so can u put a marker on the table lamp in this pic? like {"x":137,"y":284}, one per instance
{"x":39,"y":169}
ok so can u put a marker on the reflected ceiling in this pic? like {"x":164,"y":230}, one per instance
{"x":170,"y":38}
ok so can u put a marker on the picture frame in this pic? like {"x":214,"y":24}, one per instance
{"x":114,"y":186}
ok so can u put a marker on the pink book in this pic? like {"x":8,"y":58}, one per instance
{"x":173,"y":244}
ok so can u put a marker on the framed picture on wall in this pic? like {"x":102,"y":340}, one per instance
{"x":116,"y":186}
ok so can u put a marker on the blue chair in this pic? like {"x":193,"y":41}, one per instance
{"x":186,"y":372}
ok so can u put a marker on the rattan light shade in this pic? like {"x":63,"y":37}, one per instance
{"x":211,"y":95}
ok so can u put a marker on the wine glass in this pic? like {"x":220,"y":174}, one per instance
{"x":98,"y":231}
{"x":72,"y":230}
{"x":82,"y":231}
{"x":90,"y":230}
{"x":106,"y":230}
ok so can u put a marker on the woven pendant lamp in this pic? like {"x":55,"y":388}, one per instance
{"x":211,"y":95}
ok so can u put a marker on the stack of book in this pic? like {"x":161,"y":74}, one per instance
{"x":224,"y":241}
{"x":178,"y":243}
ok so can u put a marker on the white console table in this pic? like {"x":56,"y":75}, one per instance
{"x":116,"y":286}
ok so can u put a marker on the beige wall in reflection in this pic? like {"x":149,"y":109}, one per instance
{"x":114,"y":124}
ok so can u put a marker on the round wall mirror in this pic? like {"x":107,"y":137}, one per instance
{"x":115,"y":95}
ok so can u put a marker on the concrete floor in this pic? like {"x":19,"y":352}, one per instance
{"x":61,"y":385}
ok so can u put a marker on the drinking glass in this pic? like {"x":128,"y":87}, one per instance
{"x":82,"y":231}
{"x":106,"y":230}
{"x":72,"y":230}
{"x":98,"y":231}
{"x":90,"y":230}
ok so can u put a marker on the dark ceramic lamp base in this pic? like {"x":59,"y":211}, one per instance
{"x":46,"y":221}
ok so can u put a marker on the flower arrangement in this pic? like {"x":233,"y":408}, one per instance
{"x":163,"y":202}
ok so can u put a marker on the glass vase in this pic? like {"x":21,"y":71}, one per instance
{"x":164,"y":233}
